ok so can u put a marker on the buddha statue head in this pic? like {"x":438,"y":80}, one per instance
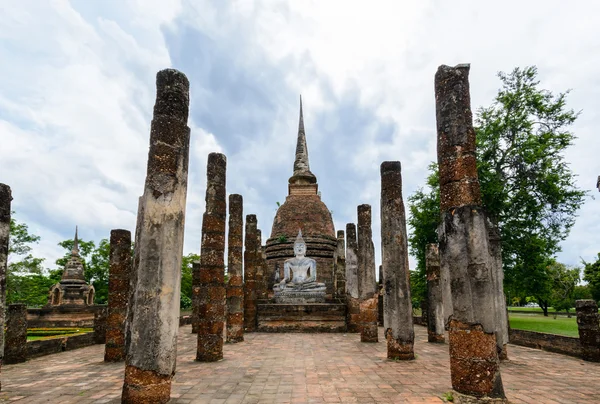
{"x":299,"y":245}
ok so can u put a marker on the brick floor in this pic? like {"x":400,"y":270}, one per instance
{"x":300,"y":368}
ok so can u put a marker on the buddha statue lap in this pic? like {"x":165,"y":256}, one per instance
{"x":299,"y":284}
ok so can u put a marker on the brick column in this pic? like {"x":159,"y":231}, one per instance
{"x":15,"y":348}
{"x":5,"y":199}
{"x":119,"y":278}
{"x":196,"y":291}
{"x":211,"y":316}
{"x":589,"y":330}
{"x":235,"y":285}
{"x":250,"y":249}
{"x":260,"y":276}
{"x":100,"y":317}
{"x":463,"y":244}
{"x":151,"y":355}
{"x":340,"y":267}
{"x":380,"y":317}
{"x":435,"y":307}
{"x":352,"y":296}
{"x":495,"y":251}
{"x":397,"y":306}
{"x":367,"y":288}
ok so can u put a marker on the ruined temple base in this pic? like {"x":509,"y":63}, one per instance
{"x":300,"y":297}
{"x":61,"y":316}
{"x":309,"y":317}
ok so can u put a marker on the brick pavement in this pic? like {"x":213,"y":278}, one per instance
{"x":300,"y":368}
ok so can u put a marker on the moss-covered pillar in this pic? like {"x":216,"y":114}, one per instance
{"x":352,"y":296}
{"x":495,"y":251}
{"x":463,"y":243}
{"x":5,"y":200}
{"x":211,"y":314}
{"x":340,"y":267}
{"x":15,"y":347}
{"x":589,"y":329}
{"x":367,"y":287}
{"x":435,"y":307}
{"x":397,"y":304}
{"x":250,"y":248}
{"x":235,"y":285}
{"x":119,"y":278}
{"x":152,"y":332}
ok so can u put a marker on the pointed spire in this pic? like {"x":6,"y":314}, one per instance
{"x":75,"y":250}
{"x":301,"y":166}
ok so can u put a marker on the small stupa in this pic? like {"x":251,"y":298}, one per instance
{"x":72,"y":290}
{"x":303,"y":209}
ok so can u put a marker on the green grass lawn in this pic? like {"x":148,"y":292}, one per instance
{"x":561,"y":325}
{"x":34,"y":334}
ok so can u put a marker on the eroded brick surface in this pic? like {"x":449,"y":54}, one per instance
{"x":301,"y":368}
{"x":589,"y":329}
{"x":15,"y":348}
{"x":250,"y":267}
{"x":367,"y":288}
{"x":235,"y":285}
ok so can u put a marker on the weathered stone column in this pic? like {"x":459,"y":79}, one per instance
{"x":463,"y":243}
{"x":589,"y":329}
{"x":119,"y":277}
{"x":380,"y":292}
{"x":196,"y":292}
{"x":398,"y":317}
{"x":340,"y":267}
{"x":100,"y":317}
{"x":435,"y":307}
{"x":495,"y":251}
{"x":211,"y":316}
{"x":152,"y":350}
{"x":250,"y":248}
{"x":367,"y":287}
{"x":15,"y":347}
{"x":235,"y":285}
{"x":260,"y":277}
{"x":5,"y":199}
{"x":352,"y":295}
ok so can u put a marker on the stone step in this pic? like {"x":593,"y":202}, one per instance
{"x":311,"y":317}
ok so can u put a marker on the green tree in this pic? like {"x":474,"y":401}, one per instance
{"x":564,"y":281}
{"x":424,"y":208}
{"x":26,"y":281}
{"x":186,"y":280}
{"x":526,"y":184}
{"x":591,"y":274}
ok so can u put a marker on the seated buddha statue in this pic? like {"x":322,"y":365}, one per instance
{"x":300,"y":277}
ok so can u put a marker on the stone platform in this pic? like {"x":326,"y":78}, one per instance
{"x":308,"y":317}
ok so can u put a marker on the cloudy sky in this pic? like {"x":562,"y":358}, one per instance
{"x":77,"y":87}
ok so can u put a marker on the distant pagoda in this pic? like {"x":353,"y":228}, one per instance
{"x":303,"y":210}
{"x":72,"y":290}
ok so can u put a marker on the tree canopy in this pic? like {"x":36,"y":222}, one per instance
{"x":526,"y":184}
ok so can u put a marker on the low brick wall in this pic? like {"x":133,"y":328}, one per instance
{"x":185,"y":320}
{"x":547,"y":342}
{"x":43,"y":347}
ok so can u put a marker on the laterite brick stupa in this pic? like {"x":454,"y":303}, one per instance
{"x":303,"y":210}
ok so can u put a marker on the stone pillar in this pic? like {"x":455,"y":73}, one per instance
{"x":398,"y":316}
{"x":211,"y":314}
{"x":367,"y":288}
{"x":340,"y":267}
{"x":5,"y":199}
{"x":15,"y":347}
{"x":196,"y":291}
{"x":495,"y":251}
{"x":463,"y":243}
{"x":151,"y":354}
{"x":380,"y":316}
{"x":435,"y":307}
{"x":235,"y":285}
{"x":119,"y":276}
{"x":250,"y":248}
{"x":589,"y":330}
{"x":352,"y":296}
{"x":260,"y":268}
{"x":100,"y":317}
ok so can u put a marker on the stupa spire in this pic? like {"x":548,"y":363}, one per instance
{"x":302,"y":172}
{"x":75,"y":250}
